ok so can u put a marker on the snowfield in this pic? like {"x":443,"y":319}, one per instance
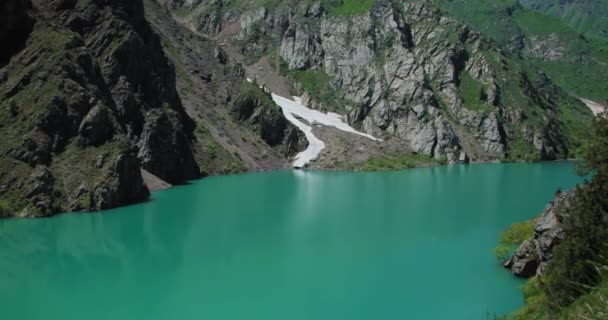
{"x":295,"y":108}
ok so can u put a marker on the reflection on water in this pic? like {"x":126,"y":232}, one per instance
{"x":283,"y":245}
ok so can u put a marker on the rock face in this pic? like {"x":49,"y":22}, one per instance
{"x":532,"y":256}
{"x":89,"y":101}
{"x":403,"y":70}
{"x":15,"y":26}
{"x":255,"y":108}
{"x":89,"y":98}
{"x":161,"y":149}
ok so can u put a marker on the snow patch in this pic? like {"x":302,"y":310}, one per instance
{"x":595,"y":107}
{"x":295,"y":108}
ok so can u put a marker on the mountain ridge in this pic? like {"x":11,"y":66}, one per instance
{"x":89,"y":98}
{"x":93,"y":92}
{"x":301,"y":34}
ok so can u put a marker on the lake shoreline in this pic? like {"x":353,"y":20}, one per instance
{"x":294,"y":232}
{"x":162,"y":186}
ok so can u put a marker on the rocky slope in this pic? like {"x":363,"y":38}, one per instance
{"x":101,"y":100}
{"x":533,"y":255}
{"x":402,"y":71}
{"x":88,"y":99}
{"x":239,"y":128}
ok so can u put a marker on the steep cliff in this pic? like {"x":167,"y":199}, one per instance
{"x":70,"y":120}
{"x":403,"y":70}
{"x":88,"y":99}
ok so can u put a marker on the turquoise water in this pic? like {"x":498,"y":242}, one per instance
{"x":283,"y":245}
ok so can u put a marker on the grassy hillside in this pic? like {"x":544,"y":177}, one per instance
{"x":589,"y":17}
{"x":576,"y":62}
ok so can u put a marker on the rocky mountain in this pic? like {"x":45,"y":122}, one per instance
{"x":102,"y":101}
{"x":89,"y":102}
{"x":403,"y":71}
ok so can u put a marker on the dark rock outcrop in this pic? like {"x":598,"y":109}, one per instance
{"x":532,"y":256}
{"x":125,"y":185}
{"x":96,"y":127}
{"x":40,"y":191}
{"x":15,"y":26}
{"x":256,"y":109}
{"x":162,"y":146}
{"x":87,"y":86}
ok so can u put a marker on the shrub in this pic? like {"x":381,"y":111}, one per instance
{"x":511,"y":238}
{"x":4,"y":208}
{"x":572,"y":270}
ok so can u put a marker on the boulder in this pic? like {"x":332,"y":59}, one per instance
{"x":524,"y":261}
{"x":534,"y":254}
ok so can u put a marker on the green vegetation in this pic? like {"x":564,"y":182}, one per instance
{"x":4,"y":208}
{"x":511,"y":238}
{"x":575,"y":283}
{"x":589,"y":17}
{"x":335,"y":8}
{"x":318,"y":85}
{"x":579,"y":64}
{"x":530,"y":22}
{"x":315,"y":82}
{"x":348,"y":7}
{"x":489,"y":17}
{"x":587,"y":80}
{"x":253,"y":90}
{"x":520,"y":150}
{"x":586,"y":229}
{"x":591,"y":305}
{"x":472,"y":92}
{"x":397,"y":162}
